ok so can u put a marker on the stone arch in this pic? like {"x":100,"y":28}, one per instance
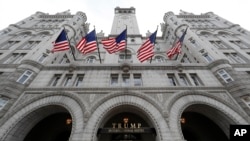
{"x":46,"y":32}
{"x":178,"y":106}
{"x":219,"y":32}
{"x":93,"y":57}
{"x":154,"y":102}
{"x":19,"y":123}
{"x":144,"y":106}
{"x":132,"y":50}
{"x":27,"y":32}
{"x":204,"y":32}
{"x":158,"y":56}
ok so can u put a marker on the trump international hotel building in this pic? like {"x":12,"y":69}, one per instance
{"x":195,"y":96}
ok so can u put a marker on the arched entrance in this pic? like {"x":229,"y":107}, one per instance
{"x":197,"y":127}
{"x":51,"y":110}
{"x":55,"y":127}
{"x":112,"y":106}
{"x":202,"y":113}
{"x":203,"y":123}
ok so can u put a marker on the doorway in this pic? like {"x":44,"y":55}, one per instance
{"x":198,"y":124}
{"x":55,"y":127}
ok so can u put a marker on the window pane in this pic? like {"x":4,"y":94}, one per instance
{"x":172,"y":80}
{"x":25,"y":76}
{"x":125,"y":79}
{"x":79,"y":80}
{"x":224,"y":75}
{"x":114,"y":79}
{"x":137,"y":80}
{"x":28,"y":72}
{"x":183,"y":80}
{"x":23,"y":79}
{"x":56,"y":79}
{"x":68,"y":80}
{"x":195,"y":79}
{"x":42,"y":58}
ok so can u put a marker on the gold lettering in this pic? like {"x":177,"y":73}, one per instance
{"x":139,"y":125}
{"x":132,"y":125}
{"x":125,"y":125}
{"x":119,"y":125}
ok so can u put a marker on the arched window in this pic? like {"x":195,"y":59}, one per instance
{"x":125,"y":55}
{"x":91,"y":59}
{"x":23,"y":35}
{"x":159,"y":59}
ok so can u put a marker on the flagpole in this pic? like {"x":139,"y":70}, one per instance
{"x":126,"y":44}
{"x":69,"y":44}
{"x":98,"y":47}
{"x":154,"y":43}
{"x":181,"y":45}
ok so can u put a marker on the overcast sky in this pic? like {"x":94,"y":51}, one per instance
{"x":149,"y":13}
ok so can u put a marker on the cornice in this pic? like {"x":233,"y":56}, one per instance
{"x":163,"y":66}
{"x":32,"y":63}
{"x":105,"y":90}
{"x":193,"y":16}
{"x":56,"y":16}
{"x":218,"y":62}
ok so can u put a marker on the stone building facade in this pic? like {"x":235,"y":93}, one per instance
{"x":195,"y":96}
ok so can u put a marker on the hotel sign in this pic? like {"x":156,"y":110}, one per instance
{"x":126,"y":127}
{"x":126,"y":124}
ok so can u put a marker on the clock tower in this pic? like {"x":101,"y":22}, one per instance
{"x":125,"y":17}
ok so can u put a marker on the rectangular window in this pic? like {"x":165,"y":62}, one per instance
{"x":114,"y":79}
{"x":230,"y":58}
{"x":25,"y":77}
{"x":225,"y":76}
{"x":9,"y":44}
{"x":55,"y":80}
{"x":27,"y":45}
{"x":172,"y":79}
{"x":137,"y":80}
{"x":183,"y":80}
{"x":207,"y":57}
{"x":42,"y":58}
{"x":15,"y":58}
{"x":68,"y":80}
{"x":194,"y":43}
{"x":19,"y":58}
{"x":218,"y":44}
{"x":125,"y":79}
{"x":185,"y":59}
{"x":79,"y":80}
{"x":3,"y":102}
{"x":239,"y":44}
{"x":237,"y":58}
{"x":234,"y":58}
{"x":196,"y":80}
{"x":64,"y":60}
{"x":11,"y":58}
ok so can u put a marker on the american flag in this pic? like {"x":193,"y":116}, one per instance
{"x":61,"y":42}
{"x":88,"y":43}
{"x":146,"y":51}
{"x":113,"y":45}
{"x":176,"y":49}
